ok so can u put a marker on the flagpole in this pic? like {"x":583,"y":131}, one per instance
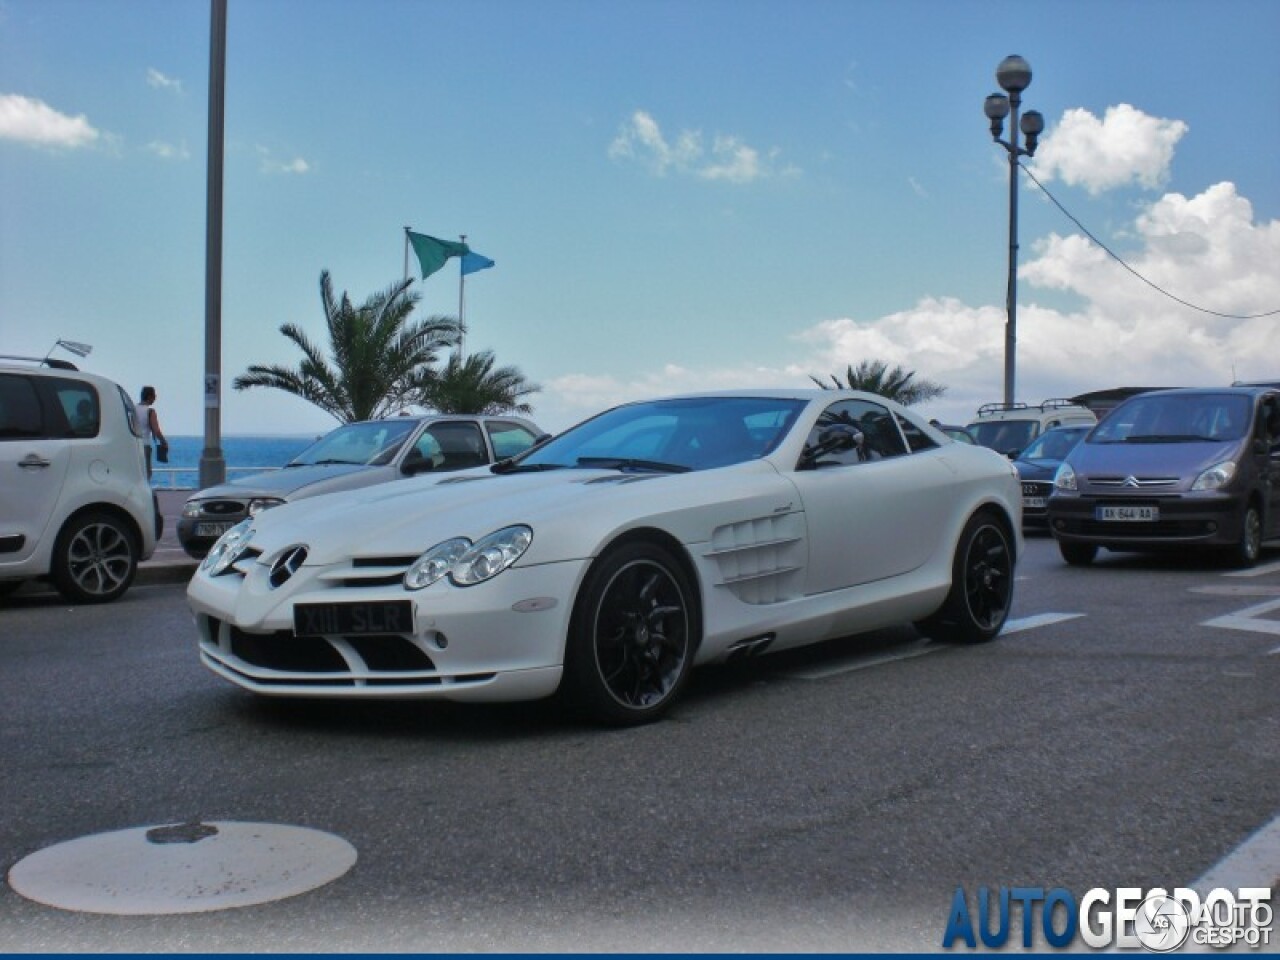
{"x":406,"y":254}
{"x":462,"y":281}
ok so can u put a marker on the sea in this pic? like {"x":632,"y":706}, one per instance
{"x":243,"y":455}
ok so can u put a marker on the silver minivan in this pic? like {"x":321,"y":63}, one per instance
{"x":1180,"y":469}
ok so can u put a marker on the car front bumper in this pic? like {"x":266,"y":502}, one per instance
{"x":499,"y":640}
{"x":1209,"y":519}
{"x":198,"y":533}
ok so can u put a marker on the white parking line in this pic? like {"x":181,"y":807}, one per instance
{"x":1036,"y":620}
{"x":863,"y":663}
{"x":1258,"y":571}
{"x":1255,"y":863}
{"x":1249,"y":619}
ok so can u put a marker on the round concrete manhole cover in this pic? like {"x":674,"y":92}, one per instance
{"x":182,"y":868}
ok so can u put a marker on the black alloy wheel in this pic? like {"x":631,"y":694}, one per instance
{"x":981,"y":585}
{"x":632,"y":638}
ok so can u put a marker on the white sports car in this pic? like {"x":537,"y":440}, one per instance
{"x":607,"y":562}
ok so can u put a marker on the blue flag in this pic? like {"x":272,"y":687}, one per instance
{"x":472,"y":261}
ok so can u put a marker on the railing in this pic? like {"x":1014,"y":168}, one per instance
{"x":188,"y":478}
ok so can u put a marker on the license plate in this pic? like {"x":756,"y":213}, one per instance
{"x":214,"y":529}
{"x":380,"y":616}
{"x":1033,"y":502}
{"x":1128,"y":514}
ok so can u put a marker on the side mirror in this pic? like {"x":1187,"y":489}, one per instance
{"x":415,"y":464}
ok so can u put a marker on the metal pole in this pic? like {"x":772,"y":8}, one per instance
{"x":462,"y":280}
{"x":213,"y":468}
{"x":1011,"y":325}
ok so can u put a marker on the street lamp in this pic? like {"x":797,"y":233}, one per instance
{"x":1014,"y":76}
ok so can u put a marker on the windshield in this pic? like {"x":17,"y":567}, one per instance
{"x":370,"y":442}
{"x":1176,"y":418}
{"x":671,"y":435}
{"x":1055,"y":444}
{"x":1004,"y":435}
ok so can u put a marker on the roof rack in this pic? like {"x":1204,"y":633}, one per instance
{"x":53,"y":362}
{"x":1056,"y":403}
{"x":987,"y":408}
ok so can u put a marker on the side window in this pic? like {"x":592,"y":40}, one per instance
{"x":881,"y":438}
{"x":20,"y":417}
{"x":461,"y":445}
{"x":79,"y":403}
{"x":917,"y":439}
{"x":509,"y":439}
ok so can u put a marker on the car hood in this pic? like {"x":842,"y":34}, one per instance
{"x":282,"y":483}
{"x":1037,"y":469}
{"x":571,"y":511}
{"x":1185,"y":461}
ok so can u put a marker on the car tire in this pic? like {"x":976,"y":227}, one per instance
{"x":1249,"y":547}
{"x":981,"y":584}
{"x":1078,"y":554}
{"x":632,"y":636}
{"x":95,"y":558}
{"x":9,"y":586}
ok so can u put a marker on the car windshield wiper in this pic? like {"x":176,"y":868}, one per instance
{"x":324,"y":463}
{"x":630,"y":463}
{"x":510,"y":466}
{"x":1169,"y":438}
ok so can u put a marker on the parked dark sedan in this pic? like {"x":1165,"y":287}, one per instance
{"x":355,"y":455}
{"x":1174,"y":468}
{"x":1037,"y":466}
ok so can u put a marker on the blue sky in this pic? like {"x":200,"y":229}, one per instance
{"x":678,"y":194}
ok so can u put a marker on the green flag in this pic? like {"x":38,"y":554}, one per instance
{"x":433,"y":253}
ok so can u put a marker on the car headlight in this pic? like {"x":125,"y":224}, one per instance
{"x":467,"y":563}
{"x":1216,"y":477}
{"x":258,"y":504}
{"x":191,"y":509}
{"x":228,"y":548}
{"x":1065,"y":478}
{"x":435,"y":563}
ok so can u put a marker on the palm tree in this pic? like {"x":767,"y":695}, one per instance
{"x":471,"y":385}
{"x":874,"y":376}
{"x":380,"y":357}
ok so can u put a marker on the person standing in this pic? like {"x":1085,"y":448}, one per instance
{"x":150,"y":423}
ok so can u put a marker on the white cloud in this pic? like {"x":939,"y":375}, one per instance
{"x":161,"y":82}
{"x":728,"y":158}
{"x":271,"y":165}
{"x":1125,"y":146}
{"x":169,"y":151}
{"x":32,"y":121}
{"x":1206,"y":249}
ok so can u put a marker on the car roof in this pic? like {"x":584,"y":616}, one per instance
{"x":1233,"y":390}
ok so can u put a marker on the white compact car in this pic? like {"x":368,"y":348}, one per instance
{"x":607,"y":562}
{"x":75,"y":504}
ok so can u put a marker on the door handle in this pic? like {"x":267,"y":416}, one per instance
{"x":33,"y":460}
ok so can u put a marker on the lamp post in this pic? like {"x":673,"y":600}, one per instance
{"x":1014,"y":76}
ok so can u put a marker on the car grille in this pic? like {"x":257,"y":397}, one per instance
{"x":223,"y":509}
{"x":282,"y":659}
{"x":1133,"y":483}
{"x":1036,"y":488}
